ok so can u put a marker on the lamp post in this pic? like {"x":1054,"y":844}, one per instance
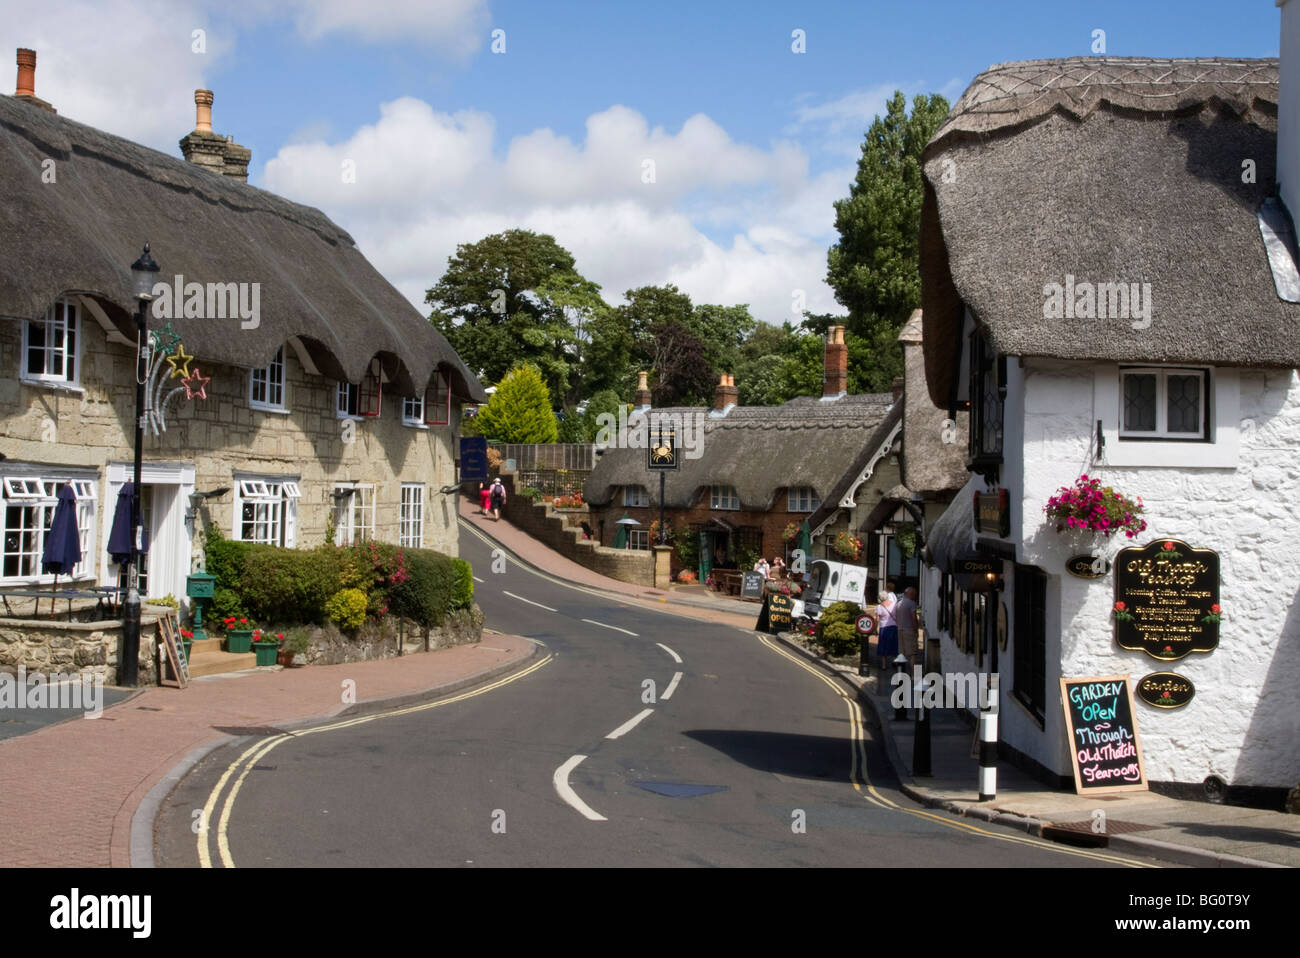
{"x":143,"y":271}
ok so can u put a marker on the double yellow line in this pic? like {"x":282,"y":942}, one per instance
{"x":239,"y":769}
{"x":861,"y":782}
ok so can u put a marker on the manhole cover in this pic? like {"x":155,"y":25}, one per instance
{"x":680,"y":789}
{"x":248,"y":729}
{"x":1113,"y":827}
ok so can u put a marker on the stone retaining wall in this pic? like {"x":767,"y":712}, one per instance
{"x":544,"y":523}
{"x":381,"y":640}
{"x":43,"y":646}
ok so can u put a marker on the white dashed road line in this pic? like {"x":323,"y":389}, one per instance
{"x":561,"y":782}
{"x":629,"y":724}
{"x":529,"y":601}
{"x":672,"y":686}
{"x":614,"y":627}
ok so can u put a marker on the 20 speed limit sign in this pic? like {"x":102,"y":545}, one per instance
{"x":866,"y":624}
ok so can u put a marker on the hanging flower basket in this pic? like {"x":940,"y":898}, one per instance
{"x":848,"y":545}
{"x":790,"y":532}
{"x":1089,"y":507}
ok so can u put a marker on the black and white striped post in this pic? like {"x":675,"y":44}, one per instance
{"x":989,"y":744}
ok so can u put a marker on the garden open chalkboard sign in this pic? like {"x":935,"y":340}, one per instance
{"x":1105,"y":751}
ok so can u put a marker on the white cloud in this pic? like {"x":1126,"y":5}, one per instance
{"x":457,"y":27}
{"x":427,"y":181}
{"x":124,"y":66}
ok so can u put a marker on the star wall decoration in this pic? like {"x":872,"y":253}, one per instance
{"x":166,"y":340}
{"x":196,"y":384}
{"x":179,"y":362}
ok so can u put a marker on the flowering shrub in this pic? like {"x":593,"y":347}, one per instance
{"x":347,"y":608}
{"x":848,"y":545}
{"x":571,"y":501}
{"x":686,"y":577}
{"x":1092,"y":507}
{"x":791,"y":530}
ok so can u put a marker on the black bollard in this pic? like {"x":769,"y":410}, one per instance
{"x":921,"y":741}
{"x":900,"y":668}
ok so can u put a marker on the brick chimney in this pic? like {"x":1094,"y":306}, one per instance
{"x":220,"y":154}
{"x":25,"y":88}
{"x":837,"y":364}
{"x":724,"y":397}
{"x":897,"y":387}
{"x":642,"y":398}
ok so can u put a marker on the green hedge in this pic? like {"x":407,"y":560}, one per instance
{"x":269,"y":584}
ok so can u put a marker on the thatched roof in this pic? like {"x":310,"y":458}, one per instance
{"x":757,"y":449}
{"x":851,"y":469}
{"x":934,"y":449}
{"x":1108,"y":171}
{"x":81,"y":232}
{"x":953,"y":534}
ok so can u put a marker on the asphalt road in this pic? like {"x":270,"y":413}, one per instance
{"x":749,"y":757}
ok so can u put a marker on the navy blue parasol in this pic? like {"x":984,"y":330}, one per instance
{"x":63,"y":542}
{"x":119,"y":539}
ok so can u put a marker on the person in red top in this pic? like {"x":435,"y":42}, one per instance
{"x":484,"y":498}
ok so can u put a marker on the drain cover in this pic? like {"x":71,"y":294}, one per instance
{"x":680,"y":789}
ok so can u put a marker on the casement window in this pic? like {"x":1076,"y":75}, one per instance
{"x":354,"y":513}
{"x":266,"y":385}
{"x":988,"y":390}
{"x":724,"y":497}
{"x":437,"y":400}
{"x":636,"y":496}
{"x":363,"y":400}
{"x":1029,"y":653}
{"x":412,"y":515}
{"x":802,"y":499}
{"x":1164,"y":404}
{"x":638,"y":538}
{"x":266,"y":510}
{"x":29,"y":504}
{"x":412,"y":410}
{"x":51,"y":348}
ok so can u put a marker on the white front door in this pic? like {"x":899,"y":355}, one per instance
{"x":167,"y":490}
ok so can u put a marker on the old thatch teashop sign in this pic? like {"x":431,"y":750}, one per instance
{"x":1167,"y":599}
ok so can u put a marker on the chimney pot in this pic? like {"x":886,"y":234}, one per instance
{"x":726,"y":393}
{"x":26,"y":85}
{"x":642,"y":397}
{"x":837,"y":364}
{"x":202,"y":111}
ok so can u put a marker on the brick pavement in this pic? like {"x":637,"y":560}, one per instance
{"x":70,"y":790}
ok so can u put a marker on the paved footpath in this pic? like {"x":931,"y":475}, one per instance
{"x":70,"y":790}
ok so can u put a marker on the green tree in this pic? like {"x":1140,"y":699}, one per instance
{"x":520,"y":409}
{"x":874,"y":268}
{"x":515,"y":297}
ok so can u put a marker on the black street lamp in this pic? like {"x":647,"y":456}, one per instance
{"x":143,"y":272}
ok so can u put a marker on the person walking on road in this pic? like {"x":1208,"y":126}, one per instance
{"x":484,"y":499}
{"x":887,"y":646}
{"x":498,"y":497}
{"x":908,"y":626}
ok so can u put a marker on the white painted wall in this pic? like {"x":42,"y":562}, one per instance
{"x":1244,"y":724}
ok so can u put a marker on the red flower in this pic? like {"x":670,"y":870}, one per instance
{"x":243,"y":622}
{"x":1164,"y":695}
{"x":1169,"y":547}
{"x":280,"y":636}
{"x":1120,"y":606}
{"x":1215,"y":608}
{"x":1169,"y":648}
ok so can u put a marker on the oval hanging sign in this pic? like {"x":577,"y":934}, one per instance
{"x":1165,"y":690}
{"x":1087,"y":567}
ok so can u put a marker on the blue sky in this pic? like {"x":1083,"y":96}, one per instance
{"x":449,"y":141}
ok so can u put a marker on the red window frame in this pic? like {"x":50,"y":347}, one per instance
{"x":437,"y":400}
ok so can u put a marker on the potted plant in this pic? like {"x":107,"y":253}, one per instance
{"x":187,"y":640}
{"x":267,"y":649}
{"x":848,"y":545}
{"x":1088,"y":507}
{"x":239,"y":634}
{"x":297,"y":643}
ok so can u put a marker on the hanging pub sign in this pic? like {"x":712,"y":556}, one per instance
{"x":1167,"y":599}
{"x":661,"y":450}
{"x":1105,"y":751}
{"x":1087,"y":567}
{"x":993,"y":512}
{"x":1165,"y":690}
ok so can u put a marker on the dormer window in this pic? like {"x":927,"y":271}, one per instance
{"x":636,"y":497}
{"x":431,"y":409}
{"x":988,"y":390}
{"x":266,"y":385}
{"x":363,"y":400}
{"x":51,"y":348}
{"x":724,"y":497}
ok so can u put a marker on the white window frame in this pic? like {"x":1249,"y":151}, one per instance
{"x":636,"y":496}
{"x":1221,"y":452}
{"x":638,"y":538}
{"x":413,"y":412}
{"x":35,"y":492}
{"x":724,"y":498}
{"x":347,"y":530}
{"x":274,"y":500}
{"x":411,"y":516}
{"x":802,"y":499}
{"x":271,"y":378}
{"x":53,"y":323}
{"x":1162,"y":432}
